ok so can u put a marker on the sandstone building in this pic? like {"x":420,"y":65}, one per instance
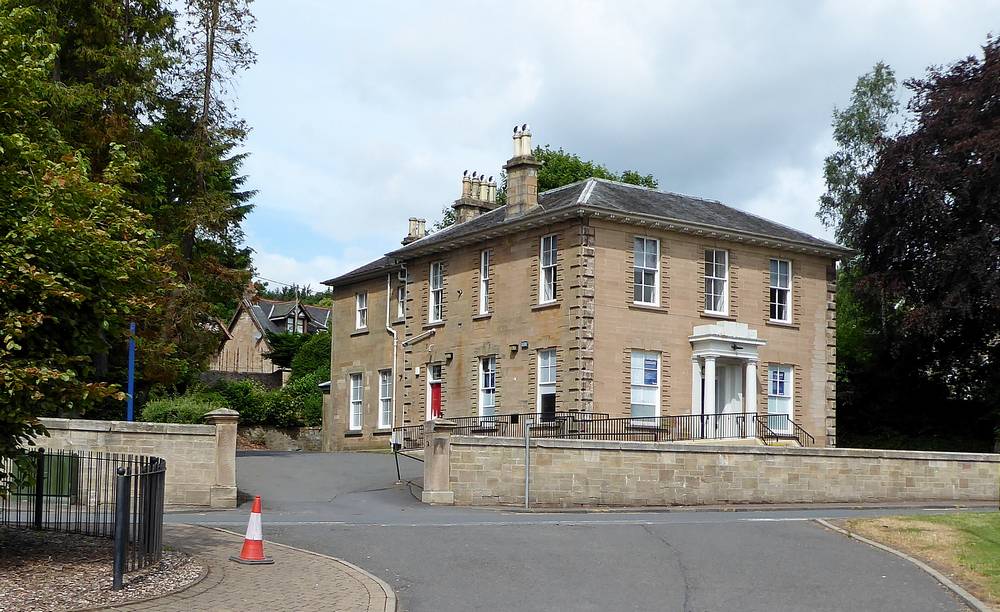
{"x":597,"y":296}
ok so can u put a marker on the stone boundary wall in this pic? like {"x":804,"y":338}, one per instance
{"x":201,"y":459}
{"x":286,"y":438}
{"x":573,"y":473}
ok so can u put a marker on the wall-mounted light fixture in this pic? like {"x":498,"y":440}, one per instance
{"x":449,"y":356}
{"x":524,"y":344}
{"x":513,"y":348}
{"x":736,"y":347}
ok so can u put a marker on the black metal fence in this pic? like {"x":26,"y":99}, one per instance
{"x":769,"y":428}
{"x":77,"y":492}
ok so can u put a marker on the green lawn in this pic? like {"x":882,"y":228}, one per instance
{"x":966,"y":545}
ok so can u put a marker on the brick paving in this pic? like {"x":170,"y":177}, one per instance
{"x":298,"y":580}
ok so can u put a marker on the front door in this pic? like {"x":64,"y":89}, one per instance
{"x":728,"y":422}
{"x":433,"y":392}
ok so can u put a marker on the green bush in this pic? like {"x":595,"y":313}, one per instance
{"x":313,"y":356}
{"x":181,"y":409}
{"x":299,"y":403}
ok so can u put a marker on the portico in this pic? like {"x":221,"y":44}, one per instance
{"x":724,"y":378}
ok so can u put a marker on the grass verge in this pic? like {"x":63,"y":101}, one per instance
{"x":964,"y":546}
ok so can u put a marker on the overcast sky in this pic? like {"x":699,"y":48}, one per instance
{"x":366,"y":113}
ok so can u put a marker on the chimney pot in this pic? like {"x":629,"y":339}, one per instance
{"x":522,"y":174}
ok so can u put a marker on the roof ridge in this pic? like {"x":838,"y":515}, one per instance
{"x":658,"y":190}
{"x":566,"y":186}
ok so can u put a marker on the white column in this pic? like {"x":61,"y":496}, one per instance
{"x":695,"y":386}
{"x":751,"y":387}
{"x":710,"y":385}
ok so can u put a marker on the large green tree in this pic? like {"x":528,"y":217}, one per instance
{"x":918,"y":344}
{"x":561,"y":168}
{"x":77,"y":262}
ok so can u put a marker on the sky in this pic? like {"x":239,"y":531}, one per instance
{"x":364,"y":114}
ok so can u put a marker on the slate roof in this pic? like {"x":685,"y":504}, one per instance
{"x":611,"y":197}
{"x":263,"y":311}
{"x":372,"y":268}
{"x":601,"y":197}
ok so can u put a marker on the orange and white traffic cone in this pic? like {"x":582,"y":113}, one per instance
{"x":253,"y":543}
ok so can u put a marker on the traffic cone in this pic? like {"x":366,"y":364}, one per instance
{"x":253,"y":543}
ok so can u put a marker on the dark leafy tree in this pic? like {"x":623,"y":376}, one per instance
{"x":284,"y":347}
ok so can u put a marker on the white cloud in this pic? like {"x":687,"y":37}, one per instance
{"x":365,"y":114}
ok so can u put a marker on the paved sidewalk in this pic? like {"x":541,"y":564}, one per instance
{"x":298,"y":580}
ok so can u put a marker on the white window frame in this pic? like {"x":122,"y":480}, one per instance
{"x":488,"y":386}
{"x":361,"y":310}
{"x":385,"y":399}
{"x":484,"y":281}
{"x":777,"y":290}
{"x":289,"y":325}
{"x":641,"y":268}
{"x":712,"y":280}
{"x":780,"y":388}
{"x":637,"y":386}
{"x":548,"y":262}
{"x":547,"y":376}
{"x":355,"y":402}
{"x":435,"y":294}
{"x":401,"y":294}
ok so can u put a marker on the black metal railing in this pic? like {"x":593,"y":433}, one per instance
{"x":769,"y":428}
{"x":81,"y":492}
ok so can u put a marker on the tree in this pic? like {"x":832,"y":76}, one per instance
{"x":860,"y":131}
{"x":930,"y":238}
{"x":559,"y":168}
{"x":76,"y":261}
{"x":284,"y":347}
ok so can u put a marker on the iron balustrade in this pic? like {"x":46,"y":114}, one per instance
{"x":771,"y":429}
{"x":74,"y":491}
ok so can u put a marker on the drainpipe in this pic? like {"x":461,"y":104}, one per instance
{"x":388,"y":328}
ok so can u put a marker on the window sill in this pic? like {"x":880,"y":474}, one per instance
{"x":359,"y":332}
{"x":434,"y":325}
{"x":482,"y":317}
{"x":353,"y":434}
{"x":399,"y":321}
{"x":713,"y":315}
{"x":781,"y":324}
{"x":382,"y":432}
{"x":650,"y":307}
{"x":547,"y":305}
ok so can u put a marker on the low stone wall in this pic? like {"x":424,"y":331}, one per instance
{"x":286,"y":439}
{"x":201,"y":459}
{"x":568,"y":473}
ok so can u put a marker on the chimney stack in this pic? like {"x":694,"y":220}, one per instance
{"x":417,"y":230}
{"x":522,"y":174}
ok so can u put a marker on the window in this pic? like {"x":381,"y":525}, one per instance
{"x":401,"y":294}
{"x":781,"y":290}
{"x":645,"y":385}
{"x":435,"y":312}
{"x":779,"y":398}
{"x":484,"y":282}
{"x":487,"y":386}
{"x":548,"y":258}
{"x":716,"y":281}
{"x":547,"y":384}
{"x":290,"y":324}
{"x":361,"y":310}
{"x":647,"y":271}
{"x":384,"y":399}
{"x":356,"y":401}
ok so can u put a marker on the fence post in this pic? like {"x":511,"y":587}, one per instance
{"x":39,"y":486}
{"x":437,"y":463}
{"x":121,"y":527}
{"x":223,"y":491}
{"x":527,"y":461}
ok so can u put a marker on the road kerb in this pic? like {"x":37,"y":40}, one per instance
{"x":970,"y":599}
{"x":390,"y":595}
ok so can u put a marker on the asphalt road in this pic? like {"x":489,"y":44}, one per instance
{"x":458,"y":559}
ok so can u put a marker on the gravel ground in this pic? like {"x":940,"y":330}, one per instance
{"x":41,"y":571}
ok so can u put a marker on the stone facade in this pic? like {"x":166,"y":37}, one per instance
{"x":201,"y":459}
{"x":285,"y":438}
{"x":243,"y":350}
{"x":593,"y":325}
{"x":567,"y":473}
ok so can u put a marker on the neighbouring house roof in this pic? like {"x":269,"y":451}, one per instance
{"x":614,"y":201}
{"x":270,"y":315}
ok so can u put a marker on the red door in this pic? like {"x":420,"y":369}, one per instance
{"x":435,"y":400}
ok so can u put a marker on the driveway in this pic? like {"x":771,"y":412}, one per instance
{"x":457,"y":559}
